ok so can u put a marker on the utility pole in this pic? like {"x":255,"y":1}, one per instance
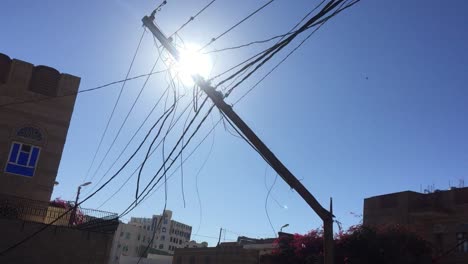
{"x":274,"y":162}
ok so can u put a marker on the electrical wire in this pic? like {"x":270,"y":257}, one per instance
{"x":152,"y":152}
{"x":193,"y":18}
{"x":286,"y":57}
{"x":200,"y":212}
{"x":125,"y":119}
{"x":266,"y":203}
{"x":133,"y":137}
{"x":81,"y":91}
{"x":279,"y":46}
{"x":268,"y":39}
{"x":236,"y":25}
{"x":114,"y":107}
{"x":150,"y":186}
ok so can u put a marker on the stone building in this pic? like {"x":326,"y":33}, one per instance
{"x":440,"y":217}
{"x":36,"y":105}
{"x":32,"y":135}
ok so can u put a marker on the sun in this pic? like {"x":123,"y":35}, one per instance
{"x":192,"y":62}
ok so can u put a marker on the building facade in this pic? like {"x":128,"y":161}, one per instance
{"x":32,"y":135}
{"x":129,"y":240}
{"x":36,"y":105}
{"x":133,"y":238}
{"x":169,"y":234}
{"x":440,"y":217}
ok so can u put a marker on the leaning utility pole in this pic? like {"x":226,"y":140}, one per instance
{"x":274,"y":162}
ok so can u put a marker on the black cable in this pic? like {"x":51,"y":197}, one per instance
{"x":81,"y":91}
{"x":288,"y":55}
{"x":170,"y":155}
{"x":133,"y":136}
{"x":171,"y":109}
{"x":172,"y":174}
{"x":115,"y":106}
{"x":125,"y":119}
{"x":235,"y":66}
{"x":237,"y":24}
{"x":134,"y":172}
{"x":278,"y":47}
{"x":192,"y":18}
{"x":268,"y":39}
{"x":266,"y":202}
{"x":196,"y":179}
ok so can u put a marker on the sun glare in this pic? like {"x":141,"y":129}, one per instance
{"x":191,"y":62}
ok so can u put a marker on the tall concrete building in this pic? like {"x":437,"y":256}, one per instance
{"x":440,"y":217}
{"x":32,"y":135}
{"x":169,"y":235}
{"x":132,"y":239}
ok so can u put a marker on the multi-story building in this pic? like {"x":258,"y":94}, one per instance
{"x":440,"y":217}
{"x":32,"y":135}
{"x":129,"y":240}
{"x":36,"y":104}
{"x":169,"y":234}
{"x":166,"y":234}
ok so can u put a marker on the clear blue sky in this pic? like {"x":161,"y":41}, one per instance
{"x":374,"y":103}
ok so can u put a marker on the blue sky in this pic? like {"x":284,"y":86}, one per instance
{"x":373,"y":103}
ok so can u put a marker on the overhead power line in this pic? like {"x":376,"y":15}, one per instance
{"x":80,"y":91}
{"x":193,"y":18}
{"x":125,"y":119}
{"x":114,"y":107}
{"x":290,"y":53}
{"x":237,"y":24}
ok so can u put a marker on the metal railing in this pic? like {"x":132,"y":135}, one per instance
{"x":47,"y":213}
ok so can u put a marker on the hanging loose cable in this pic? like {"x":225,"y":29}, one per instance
{"x":125,"y":119}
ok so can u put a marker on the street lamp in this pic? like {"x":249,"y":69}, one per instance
{"x":281,"y":229}
{"x":72,"y":218}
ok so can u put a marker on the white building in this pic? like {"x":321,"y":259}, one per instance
{"x":129,"y":240}
{"x":132,"y":239}
{"x":169,"y":234}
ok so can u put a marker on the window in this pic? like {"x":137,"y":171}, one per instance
{"x":23,"y":159}
{"x":138,"y":238}
{"x":180,"y":242}
{"x":121,"y":234}
{"x":144,"y":237}
{"x":127,"y":236}
{"x":163,"y":238}
{"x":163,"y":230}
{"x":161,"y":246}
{"x":462,"y":242}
